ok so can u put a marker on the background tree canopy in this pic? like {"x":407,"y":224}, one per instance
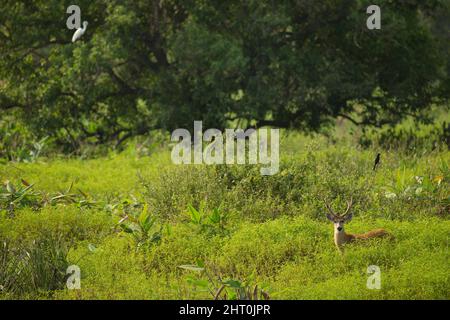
{"x":161,"y":64}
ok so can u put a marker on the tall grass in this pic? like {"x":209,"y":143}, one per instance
{"x":27,"y":269}
{"x":147,"y":217}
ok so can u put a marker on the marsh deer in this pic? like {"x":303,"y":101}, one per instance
{"x":340,"y":237}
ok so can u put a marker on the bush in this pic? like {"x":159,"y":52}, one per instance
{"x":396,"y":190}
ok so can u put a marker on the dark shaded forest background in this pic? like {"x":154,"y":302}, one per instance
{"x":152,"y":66}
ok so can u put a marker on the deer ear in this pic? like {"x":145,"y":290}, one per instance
{"x":349,"y":216}
{"x":330,"y":217}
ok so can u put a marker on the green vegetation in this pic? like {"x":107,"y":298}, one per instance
{"x":86,"y":177}
{"x":143,"y":66}
{"x":141,"y":228}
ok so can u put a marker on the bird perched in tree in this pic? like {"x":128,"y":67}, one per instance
{"x":377,"y":161}
{"x":80,"y":31}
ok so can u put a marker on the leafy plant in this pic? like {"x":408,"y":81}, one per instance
{"x":225,"y":289}
{"x":19,"y":195}
{"x":407,"y":185}
{"x":143,"y":228}
{"x":68,"y":197}
{"x":213,"y":222}
{"x":38,"y":147}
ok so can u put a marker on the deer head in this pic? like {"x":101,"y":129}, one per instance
{"x":339,"y":219}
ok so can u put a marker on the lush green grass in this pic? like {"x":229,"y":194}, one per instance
{"x":269,"y":231}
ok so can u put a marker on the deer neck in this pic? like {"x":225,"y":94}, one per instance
{"x":340,"y":237}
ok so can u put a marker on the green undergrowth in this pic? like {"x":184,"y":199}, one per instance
{"x":139,"y":227}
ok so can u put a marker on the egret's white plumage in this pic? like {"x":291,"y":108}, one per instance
{"x":80,"y":31}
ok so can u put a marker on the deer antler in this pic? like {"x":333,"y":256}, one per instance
{"x":330,"y":210}
{"x":349,"y":206}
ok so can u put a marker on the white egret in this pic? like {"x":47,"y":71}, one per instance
{"x":80,"y":31}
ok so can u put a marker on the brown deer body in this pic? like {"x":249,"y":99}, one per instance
{"x":340,"y":236}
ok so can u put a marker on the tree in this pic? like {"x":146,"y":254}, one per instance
{"x":145,"y":65}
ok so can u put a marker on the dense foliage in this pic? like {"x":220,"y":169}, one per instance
{"x":145,"y":65}
{"x":140,"y":227}
{"x":143,"y":228}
